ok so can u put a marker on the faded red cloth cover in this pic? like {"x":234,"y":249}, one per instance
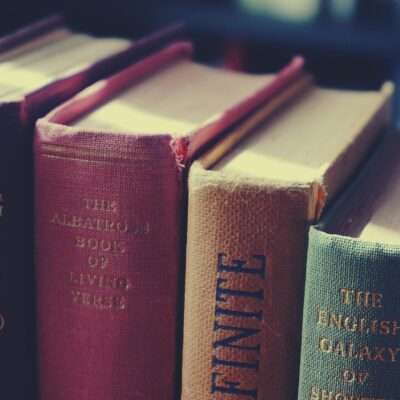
{"x":109,"y":209}
{"x":17,"y":118}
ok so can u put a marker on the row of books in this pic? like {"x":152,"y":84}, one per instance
{"x":155,"y":216}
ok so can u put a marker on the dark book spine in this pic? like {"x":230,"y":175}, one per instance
{"x":32,"y":31}
{"x":246,"y":247}
{"x":16,"y":268}
{"x":351,"y":326}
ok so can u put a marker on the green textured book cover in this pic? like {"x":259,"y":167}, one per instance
{"x":351,"y":325}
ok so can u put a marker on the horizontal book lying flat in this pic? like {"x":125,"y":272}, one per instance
{"x":40,"y":66}
{"x":110,"y":170}
{"x":351,"y":317}
{"x":50,"y":52}
{"x":248,"y":219}
{"x":51,"y":56}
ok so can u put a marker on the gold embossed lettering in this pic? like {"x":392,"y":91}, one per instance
{"x":393,"y":354}
{"x":56,"y":219}
{"x":98,"y":301}
{"x":90,"y":284}
{"x":364,"y":353}
{"x":97,"y":262}
{"x":384,"y":327}
{"x":346,"y":295}
{"x":100,"y":205}
{"x":376,"y":300}
{"x":314,"y":393}
{"x":335,"y":321}
{"x":356,"y":324}
{"x":99,"y":224}
{"x":361,"y":298}
{"x":321,"y":317}
{"x":339,"y":349}
{"x":325,"y":345}
{"x":100,"y":281}
{"x":372,"y":326}
{"x":103,"y":245}
{"x":75,"y":296}
{"x":378,"y":354}
{"x":350,"y":324}
{"x":354,"y":377}
{"x":396,"y":328}
{"x":79,"y":242}
{"x":324,"y":394}
{"x":86,"y":298}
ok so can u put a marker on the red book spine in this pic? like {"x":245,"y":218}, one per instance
{"x":17,"y":305}
{"x":107,"y":242}
{"x":108,"y":232}
{"x":108,"y":223}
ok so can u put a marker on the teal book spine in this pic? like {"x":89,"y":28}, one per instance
{"x":351,"y":323}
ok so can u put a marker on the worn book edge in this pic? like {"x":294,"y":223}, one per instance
{"x":344,"y":264}
{"x":359,"y":145}
{"x":202,"y":175}
{"x":285,"y":243}
{"x":185,"y":147}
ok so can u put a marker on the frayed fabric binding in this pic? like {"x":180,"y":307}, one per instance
{"x":180,"y":148}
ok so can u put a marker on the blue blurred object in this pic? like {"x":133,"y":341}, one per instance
{"x":290,"y":10}
{"x":343,"y":10}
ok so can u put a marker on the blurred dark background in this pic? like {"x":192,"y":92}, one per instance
{"x":347,"y":43}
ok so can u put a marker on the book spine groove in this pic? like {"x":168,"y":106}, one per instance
{"x":108,"y":242}
{"x":244,"y":279}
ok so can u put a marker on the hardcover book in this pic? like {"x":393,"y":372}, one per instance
{"x":249,"y":213}
{"x":109,"y":190}
{"x":350,"y":345}
{"x":40,"y":66}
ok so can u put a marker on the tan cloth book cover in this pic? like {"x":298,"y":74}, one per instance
{"x":249,"y":214}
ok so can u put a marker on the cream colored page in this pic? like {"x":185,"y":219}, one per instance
{"x":176,"y":100}
{"x":35,"y":44}
{"x":384,"y":224}
{"x":96,"y":49}
{"x":27,"y":73}
{"x":39,"y":55}
{"x":299,"y":142}
{"x":24,"y":71}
